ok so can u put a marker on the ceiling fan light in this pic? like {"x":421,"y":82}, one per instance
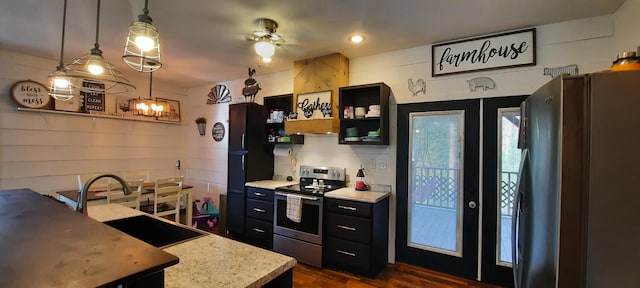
{"x":266,"y":59}
{"x":265,"y":49}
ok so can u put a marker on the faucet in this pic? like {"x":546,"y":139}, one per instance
{"x":82,"y":194}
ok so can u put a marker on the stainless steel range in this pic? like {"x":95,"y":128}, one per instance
{"x":303,"y":240}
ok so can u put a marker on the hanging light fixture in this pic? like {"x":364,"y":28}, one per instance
{"x":94,"y":67}
{"x":142,"y":50}
{"x":149,"y":107}
{"x":266,"y":38}
{"x":60,"y":87}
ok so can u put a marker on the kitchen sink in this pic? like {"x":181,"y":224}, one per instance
{"x":157,"y":232}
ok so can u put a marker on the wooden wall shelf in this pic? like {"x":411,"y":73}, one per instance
{"x":97,"y":116}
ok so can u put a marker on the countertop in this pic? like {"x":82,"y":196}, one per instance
{"x":350,"y":193}
{"x":269,"y":184}
{"x":45,"y":244}
{"x":212,"y":260}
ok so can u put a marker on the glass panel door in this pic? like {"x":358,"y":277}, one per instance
{"x":500,"y":163}
{"x":437,"y":186}
{"x":509,"y":160}
{"x":435,"y":221}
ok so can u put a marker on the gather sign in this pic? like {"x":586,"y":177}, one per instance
{"x":495,"y":51}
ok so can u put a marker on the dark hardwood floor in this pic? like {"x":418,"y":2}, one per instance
{"x":395,"y":275}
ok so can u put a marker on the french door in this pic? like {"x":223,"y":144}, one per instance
{"x":438,"y":183}
{"x":501,"y":121}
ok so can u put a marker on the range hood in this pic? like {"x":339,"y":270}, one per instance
{"x":320,"y":74}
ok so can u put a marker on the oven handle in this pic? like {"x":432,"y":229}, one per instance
{"x":303,"y":197}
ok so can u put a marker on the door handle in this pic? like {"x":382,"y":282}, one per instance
{"x":258,"y":230}
{"x":259,"y":210}
{"x":472,"y":204}
{"x":242,"y":162}
{"x":242,"y":143}
{"x":259,"y":194}
{"x":515,"y":227}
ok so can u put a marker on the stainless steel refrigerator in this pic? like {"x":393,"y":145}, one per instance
{"x":577,"y":212}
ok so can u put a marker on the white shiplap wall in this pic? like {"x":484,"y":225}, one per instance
{"x":45,"y":151}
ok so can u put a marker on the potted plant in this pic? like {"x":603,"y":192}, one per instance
{"x":202,"y":124}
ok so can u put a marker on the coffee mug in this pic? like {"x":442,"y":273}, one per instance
{"x":360,"y":111}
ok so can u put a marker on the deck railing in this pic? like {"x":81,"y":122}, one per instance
{"x":437,"y":187}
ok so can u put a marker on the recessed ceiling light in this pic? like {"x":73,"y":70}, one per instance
{"x":356,"y":38}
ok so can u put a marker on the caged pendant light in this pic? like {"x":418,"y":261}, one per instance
{"x":95,"y":68}
{"x":60,"y":87}
{"x":142,"y":50}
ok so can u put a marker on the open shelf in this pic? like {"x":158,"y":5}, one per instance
{"x":365,"y":96}
{"x":98,"y":115}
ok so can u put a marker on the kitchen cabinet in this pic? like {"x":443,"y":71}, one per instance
{"x":357,"y":235}
{"x":259,"y":221}
{"x":250,"y":159}
{"x":275,"y":129}
{"x":364,"y":96}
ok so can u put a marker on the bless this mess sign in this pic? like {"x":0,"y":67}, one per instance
{"x":483,"y":53}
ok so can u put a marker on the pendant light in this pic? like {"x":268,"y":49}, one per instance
{"x":149,"y":107}
{"x":60,"y":87}
{"x":94,"y":67}
{"x":142,"y":50}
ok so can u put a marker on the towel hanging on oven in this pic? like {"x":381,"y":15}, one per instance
{"x":294,"y":207}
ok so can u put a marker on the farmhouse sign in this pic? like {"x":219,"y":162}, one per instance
{"x":315,"y":105}
{"x":496,"y":51}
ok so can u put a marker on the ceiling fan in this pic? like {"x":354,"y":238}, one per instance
{"x":266,"y":38}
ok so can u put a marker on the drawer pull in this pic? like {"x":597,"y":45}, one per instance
{"x":259,"y":194}
{"x":259,"y":210}
{"x":346,"y":253}
{"x":258,"y":230}
{"x":347,"y":228}
{"x":347,"y":208}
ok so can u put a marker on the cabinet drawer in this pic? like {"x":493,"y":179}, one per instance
{"x":349,"y":253}
{"x":259,"y":230}
{"x":260,"y":194}
{"x":260,"y":210}
{"x":347,"y":207}
{"x":349,"y":227}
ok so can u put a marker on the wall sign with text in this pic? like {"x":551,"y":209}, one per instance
{"x":31,"y":94}
{"x":496,"y":51}
{"x":315,"y":105}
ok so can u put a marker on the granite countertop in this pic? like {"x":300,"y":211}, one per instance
{"x":212,"y":260}
{"x":350,"y":193}
{"x":269,"y":184}
{"x":46,"y":244}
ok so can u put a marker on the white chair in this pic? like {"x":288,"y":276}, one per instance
{"x":168,"y":191}
{"x":115,"y":194}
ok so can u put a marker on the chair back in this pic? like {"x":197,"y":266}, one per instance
{"x":83,"y":178}
{"x":167,"y":196}
{"x":115,"y":194}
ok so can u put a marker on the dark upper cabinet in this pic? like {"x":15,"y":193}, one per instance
{"x":250,"y":159}
{"x":246,"y":126}
{"x":364,"y":96}
{"x":276,"y":129}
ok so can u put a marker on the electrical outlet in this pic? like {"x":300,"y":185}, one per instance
{"x":178,"y":164}
{"x":381,"y":164}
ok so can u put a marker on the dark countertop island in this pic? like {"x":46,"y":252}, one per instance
{"x":45,"y":244}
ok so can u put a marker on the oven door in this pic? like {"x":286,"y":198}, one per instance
{"x":310,"y":227}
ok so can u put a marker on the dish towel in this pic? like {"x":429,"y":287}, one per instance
{"x":294,"y":207}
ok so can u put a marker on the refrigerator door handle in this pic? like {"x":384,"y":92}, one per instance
{"x":242,"y":143}
{"x":517,"y":211}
